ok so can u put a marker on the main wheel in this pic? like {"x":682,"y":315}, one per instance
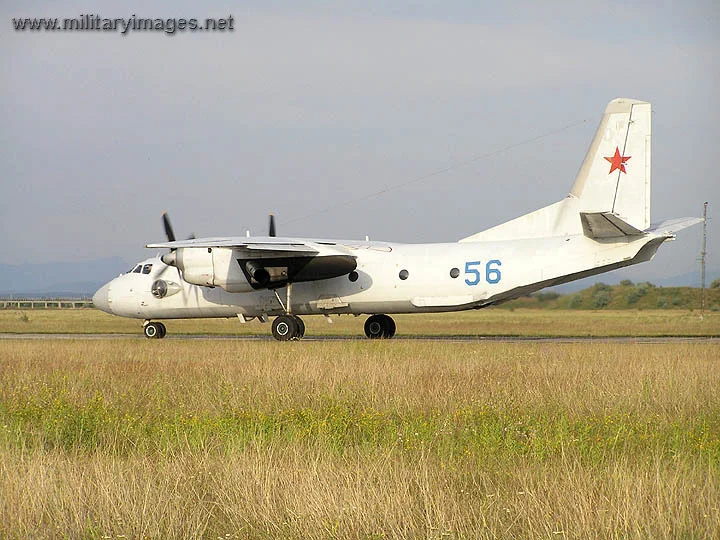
{"x":300,"y":327}
{"x":284,"y":327}
{"x":389,"y":326}
{"x":154,"y":330}
{"x":379,"y":327}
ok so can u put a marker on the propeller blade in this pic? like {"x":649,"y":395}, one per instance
{"x":168,"y":228}
{"x":271,"y":231}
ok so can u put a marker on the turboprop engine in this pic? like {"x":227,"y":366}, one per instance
{"x":209,"y":267}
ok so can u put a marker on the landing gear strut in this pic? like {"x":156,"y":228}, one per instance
{"x":287,"y":327}
{"x":380,"y":327}
{"x":154,"y":330}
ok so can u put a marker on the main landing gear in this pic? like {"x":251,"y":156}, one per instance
{"x":380,"y":327}
{"x":154,"y":330}
{"x":286,"y":327}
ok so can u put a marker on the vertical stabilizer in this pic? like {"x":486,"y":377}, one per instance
{"x":611,"y":194}
{"x":615,"y":176}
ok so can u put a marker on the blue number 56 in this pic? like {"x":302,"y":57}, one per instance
{"x":492,"y":272}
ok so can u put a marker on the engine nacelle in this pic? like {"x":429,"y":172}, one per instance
{"x":161,"y":288}
{"x":209,"y":267}
{"x":196,"y":265}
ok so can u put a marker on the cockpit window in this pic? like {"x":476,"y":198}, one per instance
{"x":137,"y":269}
{"x":147,"y":268}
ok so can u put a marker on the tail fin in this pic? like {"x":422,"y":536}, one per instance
{"x":615,"y":176}
{"x":611,"y":193}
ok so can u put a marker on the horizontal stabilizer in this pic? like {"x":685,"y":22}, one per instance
{"x":606,"y":225}
{"x":671,"y":226}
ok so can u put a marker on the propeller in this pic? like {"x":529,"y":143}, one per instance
{"x":169,"y":258}
{"x":161,"y":288}
{"x":271,"y":228}
{"x":168,"y":228}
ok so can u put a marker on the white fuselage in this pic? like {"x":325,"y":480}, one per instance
{"x":486,"y":273}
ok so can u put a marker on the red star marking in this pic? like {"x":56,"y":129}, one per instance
{"x":617,"y":161}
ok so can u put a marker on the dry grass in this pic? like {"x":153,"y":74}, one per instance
{"x":488,"y":322}
{"x":359,"y":439}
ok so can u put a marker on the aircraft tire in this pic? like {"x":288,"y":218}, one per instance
{"x":379,"y":327}
{"x":300,"y":327}
{"x":389,"y":326}
{"x":154,"y":330}
{"x":162,"y":329}
{"x":284,"y":328}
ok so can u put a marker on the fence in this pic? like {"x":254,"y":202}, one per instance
{"x":52,"y":303}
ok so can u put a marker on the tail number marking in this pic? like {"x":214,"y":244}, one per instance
{"x":474,"y":276}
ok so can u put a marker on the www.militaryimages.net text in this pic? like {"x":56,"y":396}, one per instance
{"x":122,"y":25}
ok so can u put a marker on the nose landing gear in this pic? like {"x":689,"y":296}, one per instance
{"x":154,"y":330}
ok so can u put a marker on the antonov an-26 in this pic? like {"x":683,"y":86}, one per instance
{"x":603,"y":224}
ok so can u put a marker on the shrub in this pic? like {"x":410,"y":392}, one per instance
{"x":600,"y":286}
{"x":547,"y":296}
{"x":575,"y":301}
{"x":626,"y":283}
{"x":642,"y":288}
{"x":662,"y":302}
{"x":633,"y":297}
{"x":601,"y":298}
{"x":715,"y":284}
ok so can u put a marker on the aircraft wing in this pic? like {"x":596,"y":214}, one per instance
{"x":260,"y":243}
{"x":261,"y":262}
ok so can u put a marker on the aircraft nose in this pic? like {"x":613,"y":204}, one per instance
{"x":101,"y":299}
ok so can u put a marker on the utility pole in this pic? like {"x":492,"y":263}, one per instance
{"x":703,"y":254}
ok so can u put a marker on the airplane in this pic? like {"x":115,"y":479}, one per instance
{"x":603,"y":224}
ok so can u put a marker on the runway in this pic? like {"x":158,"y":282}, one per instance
{"x":438,"y":338}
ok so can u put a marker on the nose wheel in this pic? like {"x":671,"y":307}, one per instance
{"x":154,"y":330}
{"x":380,"y":327}
{"x":287,"y":327}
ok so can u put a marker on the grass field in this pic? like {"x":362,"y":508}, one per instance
{"x":358,"y":439}
{"x":487,"y":322}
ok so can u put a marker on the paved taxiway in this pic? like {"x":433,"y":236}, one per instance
{"x":456,"y":339}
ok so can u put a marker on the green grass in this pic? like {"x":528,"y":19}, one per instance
{"x":358,"y":439}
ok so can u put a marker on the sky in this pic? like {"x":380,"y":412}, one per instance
{"x":408,"y":121}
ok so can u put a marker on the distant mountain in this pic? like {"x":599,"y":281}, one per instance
{"x":59,"y":279}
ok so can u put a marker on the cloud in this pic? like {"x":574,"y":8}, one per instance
{"x":303,"y":107}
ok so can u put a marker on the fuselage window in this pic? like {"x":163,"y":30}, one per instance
{"x":147,"y":268}
{"x":138,"y":269}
